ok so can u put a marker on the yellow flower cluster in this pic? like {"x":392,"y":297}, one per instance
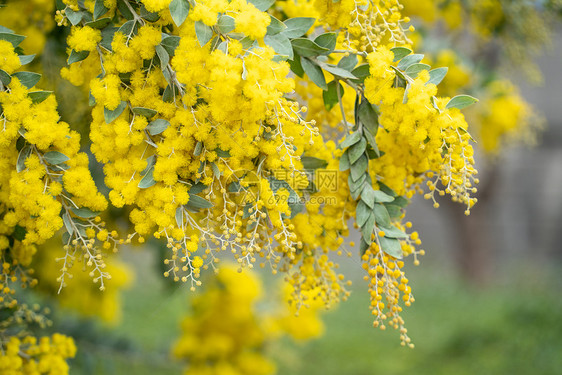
{"x":225,"y":334}
{"x":421,"y":140}
{"x":30,"y":356}
{"x":42,"y":173}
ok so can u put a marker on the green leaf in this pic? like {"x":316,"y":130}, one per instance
{"x":359,"y":167}
{"x":296,"y":66}
{"x":327,"y":40}
{"x":216,"y":171}
{"x":221,"y":153}
{"x":203,"y":32}
{"x":330,"y":96}
{"x":67,"y":223}
{"x":99,"y":24}
{"x":197,"y":202}
{"x":146,"y":112}
{"x":77,"y":56}
{"x":367,"y":228}
{"x":392,"y":247}
{"x":262,"y":5}
{"x":409,"y":60}
{"x":363,"y":246}
{"x":225,"y":24}
{"x":124,"y":9}
{"x":110,"y":115}
{"x":337,"y":71}
{"x":39,"y":96}
{"x":26,"y":59}
{"x":150,"y":161}
{"x":5,"y":78}
{"x":19,"y":233}
{"x":198,"y":149}
{"x":361,"y":72}
{"x":275,"y":26}
{"x":197,"y":188}
{"x":344,"y":162}
{"x":350,"y":140}
{"x":148,"y":179}
{"x":84,"y":213}
{"x":437,"y":75}
{"x":461,"y":101}
{"x":307,"y":48}
{"x":55,"y":157}
{"x":381,"y":215}
{"x":348,"y":62}
{"x":392,"y":232}
{"x":357,"y":150}
{"x":368,"y":195}
{"x":15,"y":39}
{"x":162,"y":56}
{"x":382,"y":197}
{"x":73,"y":17}
{"x":4,"y":29}
{"x":22,"y":157}
{"x":28,"y":79}
{"x":414,"y":69}
{"x":368,"y":117}
{"x":129,"y":28}
{"x":362,"y":212}
{"x":280,"y":44}
{"x":157,"y":126}
{"x":310,"y":162}
{"x":179,"y":216}
{"x":314,"y":72}
{"x":400,"y":53}
{"x":149,"y":16}
{"x":170,"y":43}
{"x":179,"y":9}
{"x":358,"y":185}
{"x":99,"y":9}
{"x":298,"y":26}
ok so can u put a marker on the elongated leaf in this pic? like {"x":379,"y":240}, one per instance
{"x":437,"y":75}
{"x":414,"y":69}
{"x":409,"y":60}
{"x":392,"y":247}
{"x":368,"y":195}
{"x":357,"y":150}
{"x":368,"y":117}
{"x":28,"y":79}
{"x":99,"y":9}
{"x":298,"y":26}
{"x":337,"y":71}
{"x":461,"y":101}
{"x":280,"y":44}
{"x":163,"y":56}
{"x":359,"y":167}
{"x":351,"y":139}
{"x":99,"y":24}
{"x":157,"y":126}
{"x":382,"y":197}
{"x":314,"y":72}
{"x":146,"y":112}
{"x":330,"y":96}
{"x":77,"y":56}
{"x":382,"y":218}
{"x":203,"y":32}
{"x":296,"y":66}
{"x":362,"y":212}
{"x":197,"y":202}
{"x":129,"y":28}
{"x":15,"y":39}
{"x":262,"y":5}
{"x":84,"y":213}
{"x":327,"y":40}
{"x":310,"y":162}
{"x":367,"y":228}
{"x":110,"y":115}
{"x":361,"y":72}
{"x":26,"y":59}
{"x":39,"y":96}
{"x":67,"y":223}
{"x":22,"y":157}
{"x":179,"y":9}
{"x":225,"y":24}
{"x":348,"y":62}
{"x":392,"y":232}
{"x":307,"y":48}
{"x":275,"y":26}
{"x":5,"y":78}
{"x":400,"y":53}
{"x":170,"y":43}
{"x":148,"y":179}
{"x":55,"y":157}
{"x":344,"y":162}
